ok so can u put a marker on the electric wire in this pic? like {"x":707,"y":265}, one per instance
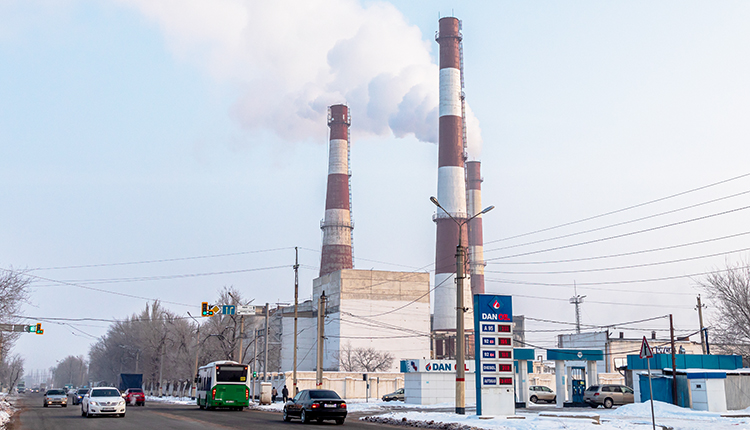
{"x":623,"y":222}
{"x":623,"y":209}
{"x":617,"y":236}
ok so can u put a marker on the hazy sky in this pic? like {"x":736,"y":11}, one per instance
{"x":190,"y":138}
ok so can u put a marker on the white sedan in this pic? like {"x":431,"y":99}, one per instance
{"x":103,"y":401}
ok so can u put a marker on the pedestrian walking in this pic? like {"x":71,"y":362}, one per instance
{"x":285,"y":394}
{"x":274,"y":393}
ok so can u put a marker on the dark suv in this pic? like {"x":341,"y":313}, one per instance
{"x":608,"y":395}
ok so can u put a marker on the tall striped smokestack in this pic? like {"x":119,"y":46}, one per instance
{"x":476,"y":238}
{"x":337,"y":225}
{"x":451,"y":192}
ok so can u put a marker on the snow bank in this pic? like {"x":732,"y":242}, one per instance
{"x":661,"y":410}
{"x":172,"y":400}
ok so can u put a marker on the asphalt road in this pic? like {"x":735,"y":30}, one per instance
{"x":162,"y":417}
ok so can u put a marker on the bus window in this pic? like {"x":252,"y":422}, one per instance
{"x":231,"y":374}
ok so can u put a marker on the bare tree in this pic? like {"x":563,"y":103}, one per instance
{"x":345,"y":356}
{"x":729,"y":292}
{"x":372,"y":360}
{"x":362,"y":359}
{"x":11,"y":371}
{"x":70,"y":370}
{"x":13,"y":294}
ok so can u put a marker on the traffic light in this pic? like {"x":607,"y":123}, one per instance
{"x":39,"y":328}
{"x":204,"y":309}
{"x":255,"y":374}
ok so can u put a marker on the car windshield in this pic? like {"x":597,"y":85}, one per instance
{"x":592,"y":388}
{"x":323,"y":394}
{"x":83,"y":391}
{"x":55,"y":392}
{"x":110,"y":392}
{"x":135,"y":390}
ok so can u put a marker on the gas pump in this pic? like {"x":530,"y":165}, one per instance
{"x":578,"y":383}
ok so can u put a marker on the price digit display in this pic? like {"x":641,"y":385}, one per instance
{"x":504,"y":368}
{"x":504,"y":381}
{"x":503,"y":354}
{"x":502,"y":328}
{"x":503,"y":341}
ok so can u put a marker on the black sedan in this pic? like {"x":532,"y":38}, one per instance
{"x":316,"y":405}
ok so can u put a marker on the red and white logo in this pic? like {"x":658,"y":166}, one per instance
{"x":495,"y":305}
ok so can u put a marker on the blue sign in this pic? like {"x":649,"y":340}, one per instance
{"x":488,"y":354}
{"x":489,"y":367}
{"x":228,"y":309}
{"x":488,"y":328}
{"x":494,"y":308}
{"x":488,"y":341}
{"x":489,"y":380}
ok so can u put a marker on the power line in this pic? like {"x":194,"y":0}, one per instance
{"x":632,"y":281}
{"x":624,"y":254}
{"x":132,"y":296}
{"x":633,"y":266}
{"x":163,"y":260}
{"x":618,"y":236}
{"x":565,"y":285}
{"x":621,"y":210}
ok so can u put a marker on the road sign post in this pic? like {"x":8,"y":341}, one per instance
{"x":647,"y":354}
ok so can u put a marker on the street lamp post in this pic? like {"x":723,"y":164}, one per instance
{"x":460,"y":310}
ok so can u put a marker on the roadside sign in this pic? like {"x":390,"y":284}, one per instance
{"x":645,"y":349}
{"x":227,"y":309}
{"x":245,"y":310}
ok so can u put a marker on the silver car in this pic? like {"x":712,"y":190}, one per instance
{"x":540,"y":392}
{"x":608,"y":395}
{"x":55,"y":396}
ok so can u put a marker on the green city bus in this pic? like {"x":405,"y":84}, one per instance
{"x":222,"y":384}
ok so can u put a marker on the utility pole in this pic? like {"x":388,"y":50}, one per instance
{"x":296,"y":301}
{"x":700,"y":321}
{"x":161,"y":365}
{"x":265,"y":355}
{"x":577,"y":300}
{"x":460,"y":348}
{"x":255,"y":358}
{"x":321,"y":340}
{"x":197,"y":350}
{"x":242,"y":334}
{"x":674,"y":362}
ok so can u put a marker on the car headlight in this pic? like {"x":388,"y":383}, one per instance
{"x":122,"y":402}
{"x":95,"y":403}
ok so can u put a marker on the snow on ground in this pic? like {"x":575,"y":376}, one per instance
{"x":6,"y":410}
{"x":359,"y":405}
{"x":634,"y":416}
{"x":171,"y":400}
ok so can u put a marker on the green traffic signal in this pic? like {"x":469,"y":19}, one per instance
{"x":204,"y":309}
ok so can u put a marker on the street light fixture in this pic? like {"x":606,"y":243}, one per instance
{"x":460,"y":310}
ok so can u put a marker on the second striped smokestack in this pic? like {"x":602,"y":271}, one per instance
{"x":476,"y":240}
{"x":451,"y":190}
{"x":337,"y":226}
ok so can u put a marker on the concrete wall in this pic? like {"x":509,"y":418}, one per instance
{"x":737,"y":389}
{"x":307,"y":329}
{"x":429,"y":388}
{"x":386,"y":311}
{"x":348,"y":385}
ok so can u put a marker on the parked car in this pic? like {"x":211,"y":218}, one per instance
{"x":55,"y":396}
{"x":540,"y":392}
{"x":396,"y":395}
{"x":77,"y":395}
{"x":608,"y":395}
{"x":316,"y":405}
{"x":134,"y":396}
{"x":103,"y":401}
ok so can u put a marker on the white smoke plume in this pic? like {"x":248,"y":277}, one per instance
{"x":290,"y":60}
